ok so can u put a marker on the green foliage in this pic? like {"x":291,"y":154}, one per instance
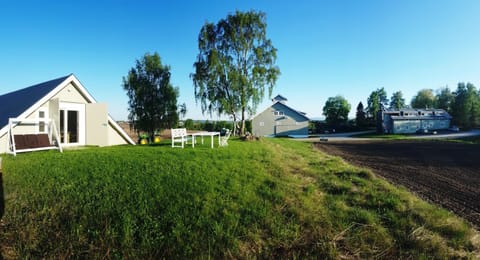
{"x":189,"y":124}
{"x":445,"y":99}
{"x":360,"y":116}
{"x":336,"y":110}
{"x":152,"y":99}
{"x":397,"y":101}
{"x":424,"y":99}
{"x":235,"y":63}
{"x":466,"y":106}
{"x":182,"y":110}
{"x":208,"y":125}
{"x":274,"y":198}
{"x":375,"y":102}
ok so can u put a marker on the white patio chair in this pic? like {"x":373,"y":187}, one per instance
{"x":224,"y":138}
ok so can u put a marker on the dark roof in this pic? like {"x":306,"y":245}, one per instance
{"x":279,"y":98}
{"x":439,"y":117}
{"x":15,"y":103}
{"x":418,"y":114}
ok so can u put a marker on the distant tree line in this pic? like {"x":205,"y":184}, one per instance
{"x":206,"y":125}
{"x":463,"y":105}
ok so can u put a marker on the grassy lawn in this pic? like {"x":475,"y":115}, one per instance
{"x":268,"y":198}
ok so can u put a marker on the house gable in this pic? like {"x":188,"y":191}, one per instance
{"x":64,"y":90}
{"x":294,"y":114}
{"x":71,"y":93}
{"x":280,"y":119}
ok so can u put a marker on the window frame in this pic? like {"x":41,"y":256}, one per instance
{"x":41,"y":120}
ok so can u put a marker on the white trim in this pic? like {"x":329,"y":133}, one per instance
{"x":44,"y":119}
{"x":120,"y":130}
{"x":80,"y":108}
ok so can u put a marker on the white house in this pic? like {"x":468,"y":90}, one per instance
{"x":62,"y":103}
{"x":408,"y":121}
{"x":280,"y":120}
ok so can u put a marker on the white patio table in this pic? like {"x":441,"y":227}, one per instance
{"x":202,"y":134}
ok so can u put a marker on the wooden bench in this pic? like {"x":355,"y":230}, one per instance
{"x":179,"y":135}
{"x":31,"y":141}
{"x":18,"y":143}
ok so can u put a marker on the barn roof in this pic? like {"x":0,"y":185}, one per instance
{"x":279,"y":98}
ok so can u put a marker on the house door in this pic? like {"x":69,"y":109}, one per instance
{"x":97,"y":124}
{"x":72,"y":124}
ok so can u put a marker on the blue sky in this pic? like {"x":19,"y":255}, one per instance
{"x":325,"y":48}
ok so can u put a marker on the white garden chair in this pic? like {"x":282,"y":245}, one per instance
{"x":224,"y":138}
{"x":179,"y":135}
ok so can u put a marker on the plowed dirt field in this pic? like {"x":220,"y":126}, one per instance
{"x":445,"y":173}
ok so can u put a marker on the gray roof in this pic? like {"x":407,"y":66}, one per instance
{"x":293,"y":110}
{"x":442,"y":117}
{"x":279,"y":98}
{"x":15,"y":103}
{"x":418,"y":114}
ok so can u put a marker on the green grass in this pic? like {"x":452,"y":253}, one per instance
{"x":467,"y":140}
{"x":266,"y":199}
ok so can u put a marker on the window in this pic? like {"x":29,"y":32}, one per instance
{"x":261,"y":124}
{"x":278,"y":113}
{"x":42,"y":121}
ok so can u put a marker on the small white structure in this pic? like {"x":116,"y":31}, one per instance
{"x":63,"y":110}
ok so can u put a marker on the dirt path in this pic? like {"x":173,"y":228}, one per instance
{"x":444,"y":173}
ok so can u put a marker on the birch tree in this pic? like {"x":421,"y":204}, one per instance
{"x":235,"y":65}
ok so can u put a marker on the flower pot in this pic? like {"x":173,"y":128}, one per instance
{"x":156,"y":139}
{"x":143,"y":141}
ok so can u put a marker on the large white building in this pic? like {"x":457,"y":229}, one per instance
{"x":408,"y":121}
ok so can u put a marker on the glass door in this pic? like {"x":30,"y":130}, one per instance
{"x":69,"y":126}
{"x":72,"y":124}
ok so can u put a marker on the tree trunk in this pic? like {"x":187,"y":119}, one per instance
{"x":242,"y":129}
{"x":234,"y":124}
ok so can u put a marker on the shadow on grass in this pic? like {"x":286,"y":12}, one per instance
{"x":2,"y":197}
{"x":2,"y":202}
